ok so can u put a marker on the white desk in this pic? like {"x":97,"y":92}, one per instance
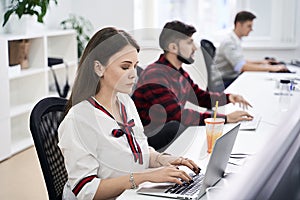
{"x":192,"y":144}
{"x":256,"y":87}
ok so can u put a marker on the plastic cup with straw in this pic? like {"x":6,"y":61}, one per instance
{"x":214,"y":129}
{"x":216,"y":109}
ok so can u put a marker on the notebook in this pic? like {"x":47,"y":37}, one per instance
{"x":250,"y":125}
{"x":214,"y":172}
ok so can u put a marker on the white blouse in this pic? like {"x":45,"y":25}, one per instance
{"x":90,"y":149}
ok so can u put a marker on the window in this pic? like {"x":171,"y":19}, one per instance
{"x":208,"y":16}
{"x":275,"y":22}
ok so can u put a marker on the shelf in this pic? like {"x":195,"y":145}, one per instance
{"x":14,"y":74}
{"x":19,"y":37}
{"x":20,"y":132}
{"x":21,"y":145}
{"x":21,"y":89}
{"x":22,"y":109}
{"x":5,"y":138}
{"x":49,"y":33}
{"x":27,"y":90}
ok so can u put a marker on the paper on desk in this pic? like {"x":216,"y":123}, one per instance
{"x":232,"y":169}
{"x":237,"y":161}
{"x":235,"y":164}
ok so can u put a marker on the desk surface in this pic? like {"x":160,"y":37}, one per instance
{"x":192,"y":144}
{"x":258,"y":88}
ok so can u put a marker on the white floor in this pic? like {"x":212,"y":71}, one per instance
{"x":21,"y":177}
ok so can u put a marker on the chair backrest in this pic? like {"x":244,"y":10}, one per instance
{"x":139,"y":70}
{"x":209,"y":47}
{"x":45,"y":119}
{"x":209,"y":51}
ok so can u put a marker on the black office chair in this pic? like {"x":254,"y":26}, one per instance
{"x":209,"y":51}
{"x":139,"y":70}
{"x":209,"y":47}
{"x":45,"y":118}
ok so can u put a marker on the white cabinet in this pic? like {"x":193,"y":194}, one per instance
{"x":21,"y":89}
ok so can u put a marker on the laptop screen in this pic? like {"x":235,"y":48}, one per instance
{"x":214,"y":172}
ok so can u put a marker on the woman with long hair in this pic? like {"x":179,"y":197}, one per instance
{"x":101,"y":136}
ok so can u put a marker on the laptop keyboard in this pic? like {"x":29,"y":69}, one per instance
{"x":186,"y":188}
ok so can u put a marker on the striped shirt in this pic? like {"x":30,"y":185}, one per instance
{"x":162,"y":92}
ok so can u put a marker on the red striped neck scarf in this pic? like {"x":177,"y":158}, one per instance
{"x":126,"y":129}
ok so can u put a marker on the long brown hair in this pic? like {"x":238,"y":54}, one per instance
{"x":104,"y":44}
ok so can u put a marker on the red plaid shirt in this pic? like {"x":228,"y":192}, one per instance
{"x":162,"y":92}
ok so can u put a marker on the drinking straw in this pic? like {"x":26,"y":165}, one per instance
{"x":216,"y":108}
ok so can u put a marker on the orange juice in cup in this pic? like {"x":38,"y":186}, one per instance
{"x":214,"y":129}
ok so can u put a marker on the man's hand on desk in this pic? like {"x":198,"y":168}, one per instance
{"x":239,"y":115}
{"x":278,"y":68}
{"x":234,"y":98}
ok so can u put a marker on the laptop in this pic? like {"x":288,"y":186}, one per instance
{"x":214,"y":172}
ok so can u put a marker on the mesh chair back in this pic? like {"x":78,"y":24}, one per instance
{"x":209,"y":52}
{"x":209,"y":47}
{"x":45,"y":119}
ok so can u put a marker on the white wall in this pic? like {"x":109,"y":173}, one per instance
{"x":101,"y":13}
{"x":58,"y":13}
{"x":279,"y":52}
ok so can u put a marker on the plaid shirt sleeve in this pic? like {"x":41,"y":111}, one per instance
{"x":205,"y":99}
{"x":158,"y":94}
{"x":148,"y":95}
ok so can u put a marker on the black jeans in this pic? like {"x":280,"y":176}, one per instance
{"x":161,"y":138}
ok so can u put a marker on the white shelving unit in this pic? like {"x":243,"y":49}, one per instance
{"x":21,"y":89}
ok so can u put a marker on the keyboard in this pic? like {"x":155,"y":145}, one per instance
{"x":186,"y":188}
{"x":283,"y":71}
{"x":250,"y":125}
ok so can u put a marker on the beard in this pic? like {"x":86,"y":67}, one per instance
{"x":188,"y":61}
